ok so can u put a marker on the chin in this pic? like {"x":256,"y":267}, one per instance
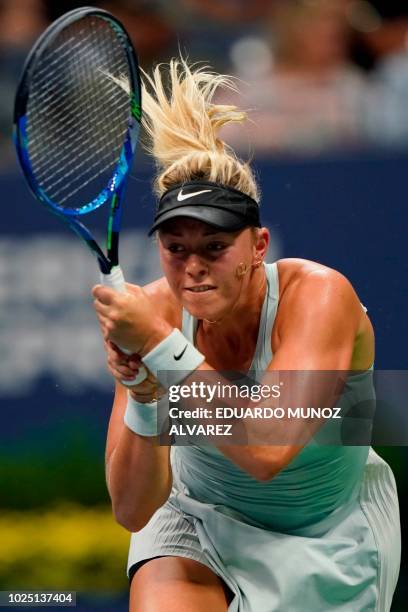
{"x":211,"y":307}
{"x":201,"y":312}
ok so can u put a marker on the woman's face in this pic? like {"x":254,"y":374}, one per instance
{"x":200,"y":263}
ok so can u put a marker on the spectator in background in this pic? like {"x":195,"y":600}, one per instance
{"x":383,"y":37}
{"x":381,"y":27}
{"x":206,"y":29}
{"x":152,"y":35}
{"x":230,"y":11}
{"x":310,"y":97}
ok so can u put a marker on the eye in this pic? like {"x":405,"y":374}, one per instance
{"x":216,"y":246}
{"x":176,"y":248}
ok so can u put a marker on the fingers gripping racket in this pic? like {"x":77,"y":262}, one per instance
{"x":76,"y":128}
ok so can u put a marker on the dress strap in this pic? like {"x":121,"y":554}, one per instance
{"x":263,"y":352}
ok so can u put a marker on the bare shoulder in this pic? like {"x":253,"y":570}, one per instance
{"x":301,"y":279}
{"x":164,"y":301}
{"x":311,"y":293}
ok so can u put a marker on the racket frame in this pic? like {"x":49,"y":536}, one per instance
{"x":111,"y":274}
{"x":115,"y":187}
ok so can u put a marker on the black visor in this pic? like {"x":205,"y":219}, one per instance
{"x":224,"y":207}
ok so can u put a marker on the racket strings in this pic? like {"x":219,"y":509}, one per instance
{"x":46,"y":101}
{"x":44,"y":168}
{"x":81,"y":136}
{"x":59,"y":112}
{"x":65,"y":195}
{"x":77,"y":118}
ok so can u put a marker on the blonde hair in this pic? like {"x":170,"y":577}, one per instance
{"x":182,"y":125}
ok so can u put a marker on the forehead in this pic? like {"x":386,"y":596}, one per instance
{"x":182,"y":226}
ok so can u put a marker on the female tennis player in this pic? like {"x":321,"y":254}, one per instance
{"x":247,"y":528}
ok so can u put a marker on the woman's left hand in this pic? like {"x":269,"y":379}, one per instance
{"x":129,"y":320}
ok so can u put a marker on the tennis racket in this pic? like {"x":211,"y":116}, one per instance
{"x":76,"y":123}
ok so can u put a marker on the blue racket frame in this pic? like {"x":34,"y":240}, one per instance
{"x":115,"y":187}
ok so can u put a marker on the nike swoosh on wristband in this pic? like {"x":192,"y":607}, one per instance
{"x":184,"y":196}
{"x":179,"y":356}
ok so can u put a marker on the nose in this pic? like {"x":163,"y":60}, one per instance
{"x":196,"y":268}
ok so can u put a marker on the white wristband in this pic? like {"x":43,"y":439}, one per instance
{"x":146,"y":419}
{"x":173,"y":359}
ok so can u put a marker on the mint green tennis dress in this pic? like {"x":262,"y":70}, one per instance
{"x":324,"y":534}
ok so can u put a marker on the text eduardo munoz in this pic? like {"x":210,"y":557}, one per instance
{"x":214,"y":393}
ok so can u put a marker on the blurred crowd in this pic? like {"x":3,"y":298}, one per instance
{"x":314,"y":75}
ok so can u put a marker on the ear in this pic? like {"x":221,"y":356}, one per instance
{"x":261,"y":244}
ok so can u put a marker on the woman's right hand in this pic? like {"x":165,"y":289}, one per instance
{"x":125,"y":367}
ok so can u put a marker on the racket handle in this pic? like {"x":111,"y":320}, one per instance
{"x":116,"y":281}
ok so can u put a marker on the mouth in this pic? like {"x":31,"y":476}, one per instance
{"x":200,"y":288}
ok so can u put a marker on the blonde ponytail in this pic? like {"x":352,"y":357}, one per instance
{"x":182,"y":126}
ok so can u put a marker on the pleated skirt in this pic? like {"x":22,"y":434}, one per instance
{"x":352,"y":567}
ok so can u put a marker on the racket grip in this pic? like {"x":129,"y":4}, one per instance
{"x":116,"y":281}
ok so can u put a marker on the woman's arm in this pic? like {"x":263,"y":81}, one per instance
{"x":320,"y":318}
{"x":138,"y":470}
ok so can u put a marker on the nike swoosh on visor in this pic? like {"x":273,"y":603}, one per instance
{"x":184,"y":196}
